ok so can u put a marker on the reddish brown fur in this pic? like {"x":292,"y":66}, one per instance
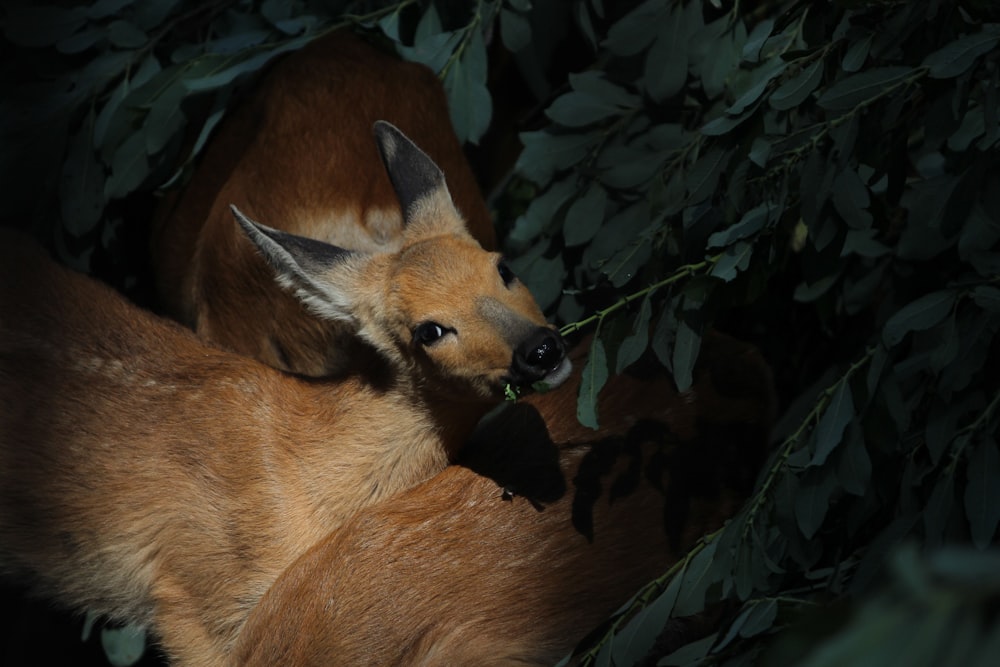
{"x":299,"y":155}
{"x":149,"y":476}
{"x":448,"y":573}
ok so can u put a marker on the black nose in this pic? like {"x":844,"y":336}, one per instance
{"x":537,"y":356}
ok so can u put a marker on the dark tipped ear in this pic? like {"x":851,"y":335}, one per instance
{"x":414,"y":175}
{"x":302,"y":265}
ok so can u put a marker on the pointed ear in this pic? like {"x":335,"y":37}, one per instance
{"x":419,"y":183}
{"x":319,"y":274}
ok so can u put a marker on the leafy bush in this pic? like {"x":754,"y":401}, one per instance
{"x":821,"y":177}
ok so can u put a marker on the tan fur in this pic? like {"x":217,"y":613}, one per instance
{"x":450,"y":573}
{"x":151,"y":477}
{"x":298,"y":155}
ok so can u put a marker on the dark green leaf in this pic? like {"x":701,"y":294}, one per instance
{"x":81,"y":186}
{"x":129,"y":167}
{"x":633,"y":346}
{"x":958,"y":56}
{"x":725,"y":123}
{"x":759,"y":151}
{"x":760,"y":617}
{"x":667,"y":60}
{"x":88,"y":37}
{"x":469,"y":101}
{"x":751,"y":223}
{"x":756,"y":39}
{"x":542,"y":211}
{"x":686,"y":346}
{"x":243,"y":67}
{"x":863,"y":87}
{"x":987,"y":297}
{"x":595,"y":374}
{"x":165,"y":119}
{"x":851,"y":199}
{"x":854,"y":468}
{"x":982,"y":492}
{"x":918,"y":315}
{"x":595,"y":84}
{"x":577,"y":109}
{"x":691,"y":653}
{"x":638,"y":637}
{"x":663,"y":336}
{"x":515,"y":30}
{"x":938,"y":510}
{"x":626,"y":263}
{"x":813,"y":500}
{"x":544,"y":154}
{"x":762,"y":76}
{"x":704,"y":175}
{"x":830,"y":430}
{"x":126,"y":35}
{"x":628,"y":167}
{"x":585,"y":216}
{"x":703,"y":570}
{"x":857,"y":53}
{"x":634,"y":31}
{"x":735,"y":259}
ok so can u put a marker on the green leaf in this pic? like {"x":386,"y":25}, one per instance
{"x":165,"y":120}
{"x":987,"y":297}
{"x":760,"y":617}
{"x":469,"y":101}
{"x":762,"y":76}
{"x":129,"y":167}
{"x":859,"y":88}
{"x":585,"y":216}
{"x":851,"y":199}
{"x":81,"y":185}
{"x":126,"y":35}
{"x":667,"y":60}
{"x":854,"y":468}
{"x":626,"y":263}
{"x":634,"y":641}
{"x":982,"y":492}
{"x":751,"y":223}
{"x":633,"y":346}
{"x":702,"y":571}
{"x":691,"y":653}
{"x":760,"y":149}
{"x":830,"y":430}
{"x":857,"y":53}
{"x":246,"y":66}
{"x":918,"y":315}
{"x":813,"y":500}
{"x":756,"y":39}
{"x":595,"y":84}
{"x":628,"y":167}
{"x":634,"y":31}
{"x":515,"y":30}
{"x":595,"y":374}
{"x":542,"y":211}
{"x":735,"y":259}
{"x":687,"y":343}
{"x":576,"y":109}
{"x":938,"y":510}
{"x":958,"y":56}
{"x":704,"y":175}
{"x":544,"y":154}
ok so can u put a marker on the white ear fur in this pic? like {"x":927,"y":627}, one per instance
{"x":319,"y":274}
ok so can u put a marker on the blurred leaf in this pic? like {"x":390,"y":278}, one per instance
{"x":639,"y":636}
{"x":851,"y":199}
{"x":126,"y":35}
{"x":690,"y":654}
{"x":854,"y":468}
{"x":958,"y":56}
{"x":982,"y":492}
{"x":165,"y":119}
{"x":41,"y":26}
{"x":751,"y":223}
{"x":595,"y":374}
{"x":576,"y":109}
{"x":667,"y":60}
{"x":762,"y":76}
{"x":756,"y":39}
{"x":856,"y":89}
{"x":857,"y":53}
{"x":702,"y":571}
{"x":544,"y":154}
{"x":830,"y":430}
{"x":813,"y":500}
{"x":634,"y":31}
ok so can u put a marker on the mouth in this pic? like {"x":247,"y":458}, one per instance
{"x":514,"y":387}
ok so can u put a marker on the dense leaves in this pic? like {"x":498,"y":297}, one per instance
{"x":820,"y":177}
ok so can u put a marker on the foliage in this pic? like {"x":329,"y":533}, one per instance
{"x":822,"y":177}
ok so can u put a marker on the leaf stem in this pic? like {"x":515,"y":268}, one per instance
{"x":681,"y":273}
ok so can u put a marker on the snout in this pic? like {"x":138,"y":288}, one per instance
{"x":541,"y":357}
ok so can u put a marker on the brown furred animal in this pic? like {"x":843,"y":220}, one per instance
{"x":298,"y":153}
{"x":151,"y":477}
{"x":451,"y":573}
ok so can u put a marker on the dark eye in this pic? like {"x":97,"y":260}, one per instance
{"x":427,"y":333}
{"x":506,"y":275}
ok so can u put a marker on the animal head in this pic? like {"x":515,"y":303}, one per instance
{"x":438,"y":305}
